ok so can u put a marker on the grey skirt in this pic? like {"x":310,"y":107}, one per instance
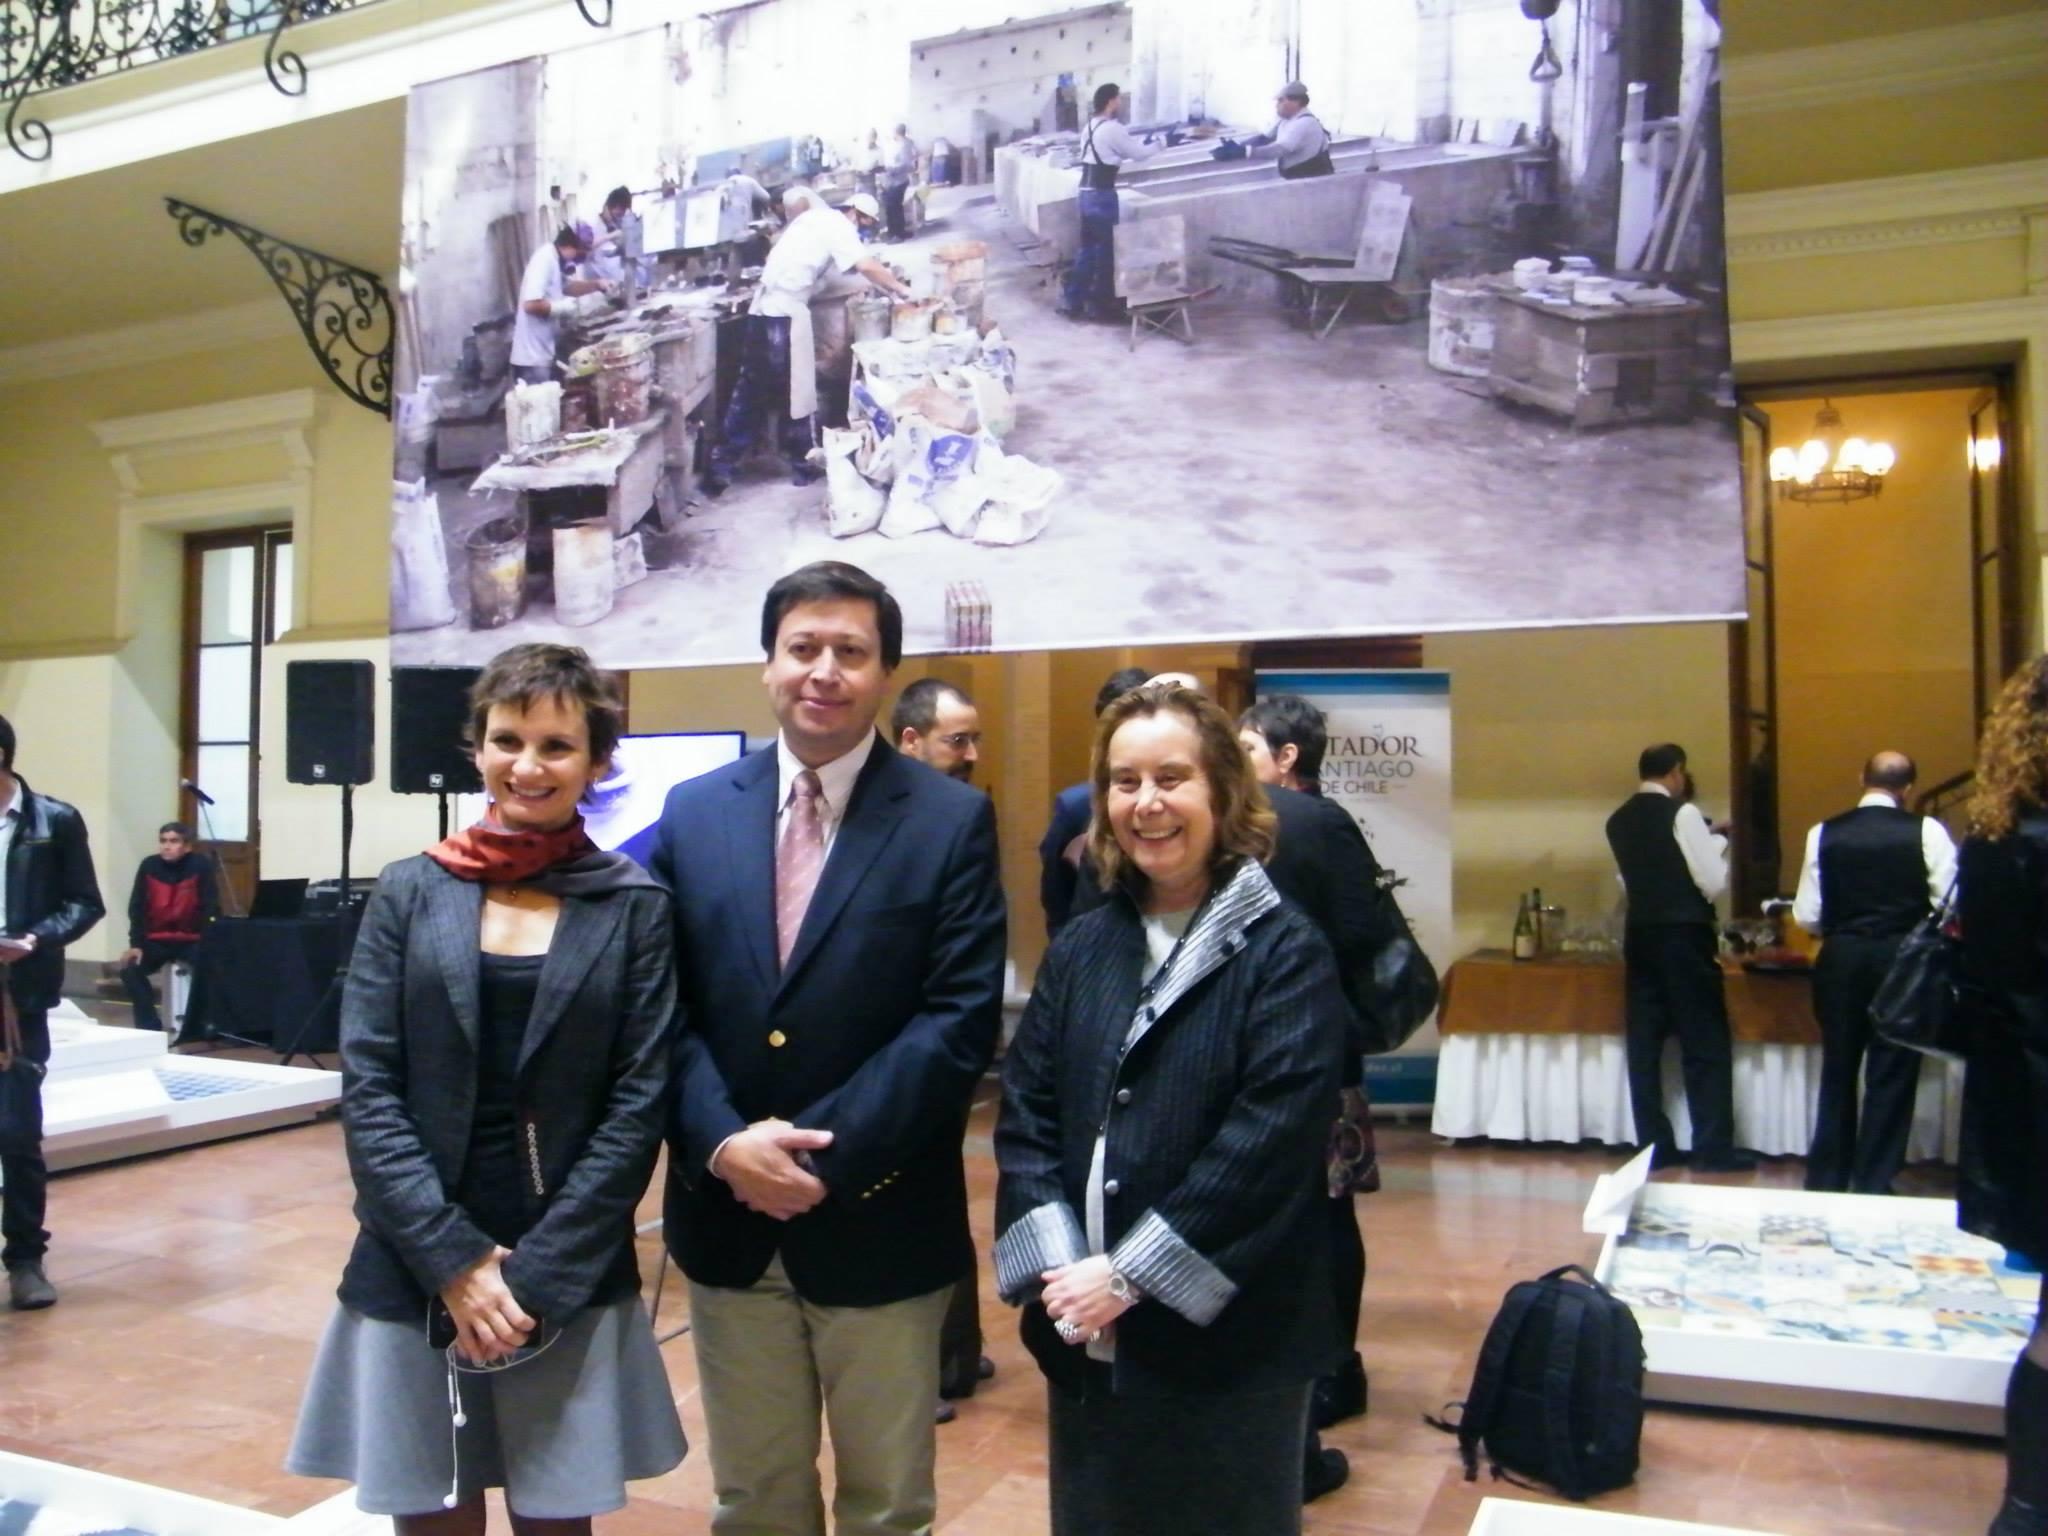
{"x":562,"y":1433}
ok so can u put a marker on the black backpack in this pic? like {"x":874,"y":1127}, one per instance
{"x":1558,"y":1394}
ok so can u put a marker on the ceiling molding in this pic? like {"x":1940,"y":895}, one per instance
{"x":1987,"y":202}
{"x":278,"y":421}
{"x":1988,"y":52}
{"x":151,"y":341}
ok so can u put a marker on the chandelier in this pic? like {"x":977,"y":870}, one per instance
{"x":1831,"y":465}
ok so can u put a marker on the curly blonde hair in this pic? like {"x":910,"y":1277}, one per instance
{"x":2012,"y":759}
{"x":1244,"y":821}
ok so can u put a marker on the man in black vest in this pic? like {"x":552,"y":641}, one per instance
{"x":1870,"y":875}
{"x":1674,"y":866}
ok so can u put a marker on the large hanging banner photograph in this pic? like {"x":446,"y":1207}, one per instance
{"x":1333,"y":317}
{"x":1389,"y":765}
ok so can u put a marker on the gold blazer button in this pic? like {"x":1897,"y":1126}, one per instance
{"x":777,"y":1039}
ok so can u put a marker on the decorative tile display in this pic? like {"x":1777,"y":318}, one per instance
{"x":1847,"y":1278}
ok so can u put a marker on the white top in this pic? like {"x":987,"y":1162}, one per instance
{"x":1106,"y":141}
{"x":1937,"y":851}
{"x":899,"y":158}
{"x":10,"y":818}
{"x":1706,"y":851}
{"x":1294,"y":139}
{"x":835,"y":782}
{"x":533,"y":336}
{"x":817,"y":241}
{"x":1162,"y":932}
{"x":942,"y":146}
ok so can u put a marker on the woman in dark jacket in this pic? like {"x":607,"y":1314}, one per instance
{"x":505,"y":1041}
{"x":2002,"y":901}
{"x":1160,"y":1207}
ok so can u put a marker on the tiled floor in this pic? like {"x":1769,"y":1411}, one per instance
{"x":195,"y":1284}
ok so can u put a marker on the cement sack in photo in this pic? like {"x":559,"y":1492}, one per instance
{"x":420,"y":598}
{"x":1020,"y":496}
{"x":852,"y":505}
{"x":926,"y":460}
{"x":533,"y":414}
{"x":994,"y":408}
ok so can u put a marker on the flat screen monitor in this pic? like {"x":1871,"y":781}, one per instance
{"x":623,"y":810}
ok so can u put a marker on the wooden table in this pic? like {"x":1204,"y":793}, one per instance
{"x":1596,"y":364}
{"x":1491,"y":993}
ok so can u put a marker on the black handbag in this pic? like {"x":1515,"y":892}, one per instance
{"x":1921,"y":1005}
{"x":1396,"y":989}
{"x":21,"y":1082}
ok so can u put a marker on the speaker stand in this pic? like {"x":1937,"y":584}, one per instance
{"x":442,"y":796}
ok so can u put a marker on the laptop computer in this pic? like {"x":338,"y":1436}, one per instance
{"x":279,"y":898}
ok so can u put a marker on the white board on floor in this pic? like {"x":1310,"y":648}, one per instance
{"x":1520,"y":1517}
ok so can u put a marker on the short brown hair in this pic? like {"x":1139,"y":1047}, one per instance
{"x":1244,"y":819}
{"x":527,"y":674}
{"x":829,"y":581}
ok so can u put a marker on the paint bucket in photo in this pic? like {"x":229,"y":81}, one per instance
{"x":585,"y":580}
{"x":497,"y":572}
{"x":870,"y":317}
{"x":1461,"y":327}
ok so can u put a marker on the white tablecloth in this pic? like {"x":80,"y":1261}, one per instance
{"x":1575,"y":1088}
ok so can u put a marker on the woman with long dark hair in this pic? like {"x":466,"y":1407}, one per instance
{"x":2002,"y":903}
{"x":505,"y":1041}
{"x":1161,"y":1193}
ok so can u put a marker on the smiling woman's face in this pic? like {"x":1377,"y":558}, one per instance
{"x":1160,"y":807}
{"x":536,"y":763}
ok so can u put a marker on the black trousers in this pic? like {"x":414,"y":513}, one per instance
{"x":1675,"y":987}
{"x":761,"y":394}
{"x":1860,"y":1153}
{"x":1347,"y":1274}
{"x":892,"y":209}
{"x":156,"y":954}
{"x":960,"y":1337}
{"x":26,"y":1198}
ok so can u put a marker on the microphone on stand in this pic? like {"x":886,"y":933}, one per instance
{"x":197,"y":793}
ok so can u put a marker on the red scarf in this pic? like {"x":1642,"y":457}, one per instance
{"x":496,"y":855}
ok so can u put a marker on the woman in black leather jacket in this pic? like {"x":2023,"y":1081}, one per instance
{"x":2002,"y":897}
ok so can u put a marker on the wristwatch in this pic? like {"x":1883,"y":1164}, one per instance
{"x":1121,"y":1288}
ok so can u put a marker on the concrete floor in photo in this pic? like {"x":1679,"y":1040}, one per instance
{"x":1258,"y":483}
{"x":195,"y":1286}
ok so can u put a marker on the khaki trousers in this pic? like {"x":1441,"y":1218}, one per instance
{"x":768,"y":1361}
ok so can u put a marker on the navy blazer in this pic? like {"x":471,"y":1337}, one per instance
{"x":877,"y":1031}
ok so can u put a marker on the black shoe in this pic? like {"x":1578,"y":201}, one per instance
{"x":805,"y":474}
{"x":984,"y":1369}
{"x":715,"y":484}
{"x":1340,"y":1395}
{"x":28,"y":1288}
{"x":1326,"y":1472}
{"x":945,"y":1413}
{"x":2016,"y":1517}
{"x":1726,"y":1162}
{"x":1668,"y":1157}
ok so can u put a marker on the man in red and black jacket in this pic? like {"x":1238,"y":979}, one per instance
{"x":173,"y":900}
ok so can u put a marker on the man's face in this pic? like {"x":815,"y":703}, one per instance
{"x":1265,"y":767}
{"x":171,"y":847}
{"x":953,"y":744}
{"x":1287,"y":106}
{"x":826,"y":679}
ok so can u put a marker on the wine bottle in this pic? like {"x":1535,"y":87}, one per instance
{"x":1525,"y":931}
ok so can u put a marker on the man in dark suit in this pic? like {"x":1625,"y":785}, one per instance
{"x":1869,"y":876}
{"x":1674,"y":866}
{"x":48,"y":897}
{"x":1059,"y":851}
{"x":840,"y":942}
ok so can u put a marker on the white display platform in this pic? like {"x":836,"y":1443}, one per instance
{"x":1860,"y":1307}
{"x":121,"y":1093}
{"x":1574,"y":1088}
{"x":1518,"y":1517}
{"x":80,"y":1500}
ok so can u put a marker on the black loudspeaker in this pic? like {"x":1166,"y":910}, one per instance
{"x":429,"y":709}
{"x":330,"y":731}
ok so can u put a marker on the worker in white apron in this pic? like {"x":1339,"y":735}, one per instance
{"x":1089,"y":289}
{"x":778,"y":368}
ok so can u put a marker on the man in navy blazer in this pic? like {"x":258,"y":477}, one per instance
{"x":816,"y":1198}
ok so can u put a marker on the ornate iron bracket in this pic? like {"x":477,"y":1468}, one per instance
{"x":584,"y":7}
{"x":344,"y":312}
{"x":46,"y":45}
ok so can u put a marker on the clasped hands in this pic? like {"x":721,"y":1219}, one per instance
{"x":489,"y":1323}
{"x":1078,"y":1296}
{"x":766,"y":1167}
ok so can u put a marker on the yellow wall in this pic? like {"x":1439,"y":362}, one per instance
{"x":1874,"y":629}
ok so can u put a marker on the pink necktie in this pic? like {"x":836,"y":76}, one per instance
{"x":799,"y":856}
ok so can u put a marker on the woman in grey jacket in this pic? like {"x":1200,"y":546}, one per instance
{"x":1160,"y":1148}
{"x":505,"y":1042}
